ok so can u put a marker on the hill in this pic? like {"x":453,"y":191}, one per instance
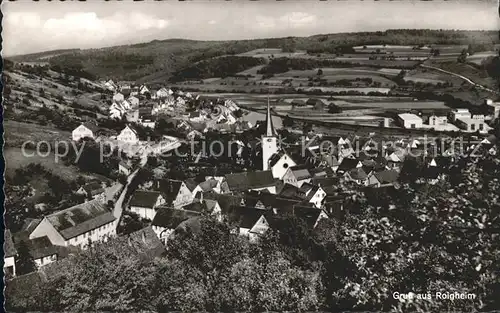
{"x":158,"y":60}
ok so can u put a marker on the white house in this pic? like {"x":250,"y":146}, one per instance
{"x":314,"y":194}
{"x":144,"y":89}
{"x":167,"y":220}
{"x":249,"y":223}
{"x":279,"y":163}
{"x":163,"y":93}
{"x":126,"y":105}
{"x":118,"y":97}
{"x":460,"y":113}
{"x":77,"y":225}
{"x":435,"y":120}
{"x":297,"y":176}
{"x":84,"y":130}
{"x":134,"y":101}
{"x":409,"y":120}
{"x":92,"y":190}
{"x":42,"y":250}
{"x":144,"y":203}
{"x":110,"y":85}
{"x":124,"y":168}
{"x":184,"y":193}
{"x":128,"y":135}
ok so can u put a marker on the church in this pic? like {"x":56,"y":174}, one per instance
{"x":274,"y":158}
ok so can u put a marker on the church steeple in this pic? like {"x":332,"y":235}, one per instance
{"x":270,"y":132}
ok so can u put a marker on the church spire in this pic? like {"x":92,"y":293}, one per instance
{"x":270,"y":132}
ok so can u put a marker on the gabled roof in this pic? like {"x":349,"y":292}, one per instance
{"x":250,"y":180}
{"x":387,"y":176}
{"x":170,"y":218}
{"x":300,"y":173}
{"x":312,"y":192}
{"x":197,"y":206}
{"x":29,"y":225}
{"x":191,"y":184}
{"x":226,"y":201}
{"x":208,"y":185}
{"x":8,"y":246}
{"x":38,"y":247}
{"x":245,"y":217}
{"x":94,"y":128}
{"x":93,"y":188}
{"x":348,"y":164}
{"x":147,"y":241}
{"x":291,"y":191}
{"x":357,"y":174}
{"x":144,"y":199}
{"x":80,"y":218}
{"x":131,"y":128}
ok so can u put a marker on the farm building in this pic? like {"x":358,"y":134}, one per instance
{"x":144,"y":203}
{"x":460,"y":113}
{"x":475,"y":123}
{"x":409,"y":120}
{"x":77,"y":225}
{"x":435,"y":120}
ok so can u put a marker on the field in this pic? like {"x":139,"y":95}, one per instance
{"x":18,"y":132}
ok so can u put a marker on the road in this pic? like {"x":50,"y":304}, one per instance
{"x":119,"y":205}
{"x":460,"y":76}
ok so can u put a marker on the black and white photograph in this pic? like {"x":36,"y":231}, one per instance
{"x":251,"y":156}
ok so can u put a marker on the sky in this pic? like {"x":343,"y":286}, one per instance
{"x":30,"y":27}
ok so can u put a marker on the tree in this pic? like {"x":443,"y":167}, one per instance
{"x":333,"y":108}
{"x":288,"y":121}
{"x":320,"y":72}
{"x":24,"y":261}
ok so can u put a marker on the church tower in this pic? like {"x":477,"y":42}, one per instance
{"x":269,"y":140}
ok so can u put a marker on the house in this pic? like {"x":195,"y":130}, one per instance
{"x":92,"y":191}
{"x":493,"y":108}
{"x":78,"y":225}
{"x":134,"y":101}
{"x":126,"y":105}
{"x":147,"y":121}
{"x":396,"y":158}
{"x":118,"y":97}
{"x":383,"y":178}
{"x":409,"y":120}
{"x":10,"y":253}
{"x":460,"y":113}
{"x":144,"y":203}
{"x":167,"y":220}
{"x":317,"y":104}
{"x":124,"y":168}
{"x":132,"y":116}
{"x":163,"y":93}
{"x":85,"y":130}
{"x":314,"y":194}
{"x":258,"y":180}
{"x":471,"y":124}
{"x":128,"y":135}
{"x":311,"y":217}
{"x":248,"y":222}
{"x":279,"y":164}
{"x":143,"y":90}
{"x":357,"y":175}
{"x":110,"y":85}
{"x":297,"y":176}
{"x":146,"y":243}
{"x":184,"y":194}
{"x":348,"y":164}
{"x":41,"y":249}
{"x":435,"y":120}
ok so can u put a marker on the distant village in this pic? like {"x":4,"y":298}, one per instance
{"x":310,"y":185}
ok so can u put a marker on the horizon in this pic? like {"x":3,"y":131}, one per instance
{"x":83,"y":25}
{"x":261,"y":38}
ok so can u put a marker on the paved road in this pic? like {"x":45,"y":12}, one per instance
{"x":460,"y":76}
{"x":118,"y":210}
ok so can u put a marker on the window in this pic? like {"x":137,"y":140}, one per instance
{"x":412,"y":125}
{"x":473,"y":126}
{"x":481,"y":126}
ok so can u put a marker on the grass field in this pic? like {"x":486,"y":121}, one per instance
{"x":18,"y":132}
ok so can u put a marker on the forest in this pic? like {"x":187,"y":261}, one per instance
{"x":416,"y":238}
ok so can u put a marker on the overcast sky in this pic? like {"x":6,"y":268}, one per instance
{"x":40,"y":26}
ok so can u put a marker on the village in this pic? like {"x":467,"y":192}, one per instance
{"x":305,"y":185}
